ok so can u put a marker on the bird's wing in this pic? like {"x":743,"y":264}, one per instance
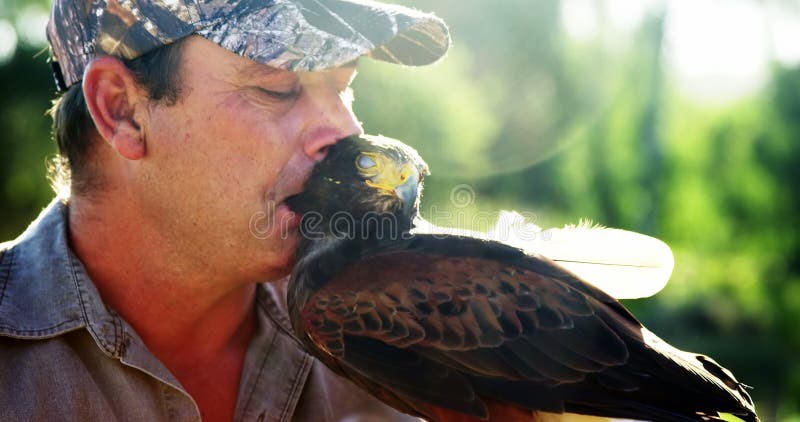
{"x":447,"y":321}
{"x":423,"y":323}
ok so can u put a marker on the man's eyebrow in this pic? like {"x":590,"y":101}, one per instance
{"x":254,"y":69}
{"x":251,"y":70}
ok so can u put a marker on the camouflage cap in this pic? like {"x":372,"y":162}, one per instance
{"x":288,"y":34}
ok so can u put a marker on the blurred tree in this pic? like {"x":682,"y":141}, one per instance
{"x":26,"y":142}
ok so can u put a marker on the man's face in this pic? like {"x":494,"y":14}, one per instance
{"x":220,"y":162}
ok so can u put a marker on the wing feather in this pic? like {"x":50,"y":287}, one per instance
{"x":486,"y":316}
{"x":413,"y":375}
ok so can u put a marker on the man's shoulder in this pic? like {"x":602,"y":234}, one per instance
{"x":3,"y":248}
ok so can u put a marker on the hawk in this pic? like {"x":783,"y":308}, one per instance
{"x":437,"y":324}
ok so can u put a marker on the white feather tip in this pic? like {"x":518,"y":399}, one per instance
{"x":624,"y":264}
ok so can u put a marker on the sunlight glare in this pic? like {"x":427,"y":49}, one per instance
{"x":31,"y":24}
{"x":784,"y":28}
{"x":717,"y":48}
{"x":579,"y":18}
{"x":8,"y":40}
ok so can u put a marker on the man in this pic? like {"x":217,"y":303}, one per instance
{"x":184,"y":126}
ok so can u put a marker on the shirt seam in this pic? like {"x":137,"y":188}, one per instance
{"x":37,"y":333}
{"x":299,"y":381}
{"x":283,"y":324}
{"x":85,"y":315}
{"x":261,"y":367}
{"x":119,"y":333}
{"x":273,"y":310}
{"x":281,"y":320}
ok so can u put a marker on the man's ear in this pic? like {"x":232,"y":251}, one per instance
{"x":112,"y":96}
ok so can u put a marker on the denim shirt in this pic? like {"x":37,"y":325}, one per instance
{"x":65,"y":355}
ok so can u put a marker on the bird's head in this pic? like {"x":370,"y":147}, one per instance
{"x":389,"y":174}
{"x":362,"y":177}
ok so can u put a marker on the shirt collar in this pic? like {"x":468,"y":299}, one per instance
{"x":46,"y":291}
{"x":39,"y":290}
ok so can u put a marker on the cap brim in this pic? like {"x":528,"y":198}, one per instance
{"x":309,"y":35}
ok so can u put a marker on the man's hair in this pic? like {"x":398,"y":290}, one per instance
{"x":73,"y":170}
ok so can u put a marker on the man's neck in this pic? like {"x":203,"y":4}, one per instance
{"x":198,"y":323}
{"x":186,"y":318}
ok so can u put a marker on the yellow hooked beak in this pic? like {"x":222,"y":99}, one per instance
{"x":390,"y":177}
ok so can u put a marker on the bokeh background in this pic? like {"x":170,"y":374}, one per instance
{"x":673,"y":118}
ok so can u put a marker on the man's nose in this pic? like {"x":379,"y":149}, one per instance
{"x":334,"y":120}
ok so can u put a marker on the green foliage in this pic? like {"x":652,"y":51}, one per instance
{"x":25,"y":141}
{"x":533,"y":121}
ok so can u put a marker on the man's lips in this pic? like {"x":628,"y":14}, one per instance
{"x":292,"y":218}
{"x":291,"y":203}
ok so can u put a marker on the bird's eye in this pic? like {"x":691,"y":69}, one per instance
{"x":364,"y":162}
{"x":405,"y":173}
